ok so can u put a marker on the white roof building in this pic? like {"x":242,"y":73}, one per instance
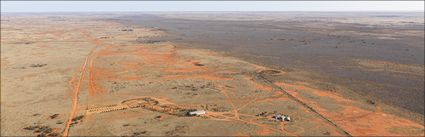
{"x":197,"y":113}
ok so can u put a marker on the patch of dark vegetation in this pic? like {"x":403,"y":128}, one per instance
{"x":270,"y":72}
{"x":126,"y":125}
{"x":220,"y":109}
{"x":54,"y":134}
{"x":303,"y":41}
{"x":262,"y":114}
{"x":215,"y":108}
{"x":80,"y":117}
{"x":77,"y":119}
{"x":135,"y":134}
{"x":193,"y":87}
{"x":277,"y":39}
{"x":191,"y":94}
{"x":227,"y":86}
{"x":23,"y":42}
{"x":267,"y":114}
{"x":149,"y":41}
{"x":59,"y":122}
{"x":126,"y":29}
{"x":327,"y":133}
{"x":19,"y":68}
{"x":36,"y":114}
{"x":53,"y":116}
{"x":31,"y":127}
{"x":105,"y":37}
{"x":37,"y":65}
{"x":153,"y":41}
{"x":198,"y":64}
{"x":409,"y":22}
{"x":371,"y":102}
{"x":42,"y":131}
{"x":117,"y":86}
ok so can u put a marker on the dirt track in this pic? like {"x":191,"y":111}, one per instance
{"x":98,"y":80}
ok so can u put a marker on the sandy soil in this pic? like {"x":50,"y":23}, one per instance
{"x":74,"y":75}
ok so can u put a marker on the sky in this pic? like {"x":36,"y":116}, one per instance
{"x":131,"y":6}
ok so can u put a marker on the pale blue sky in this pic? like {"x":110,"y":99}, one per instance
{"x":82,"y":6}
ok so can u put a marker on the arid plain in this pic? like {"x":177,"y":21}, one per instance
{"x":92,"y":74}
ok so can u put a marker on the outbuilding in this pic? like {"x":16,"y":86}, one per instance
{"x":197,"y":113}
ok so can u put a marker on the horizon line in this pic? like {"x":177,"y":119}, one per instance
{"x":218,"y":11}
